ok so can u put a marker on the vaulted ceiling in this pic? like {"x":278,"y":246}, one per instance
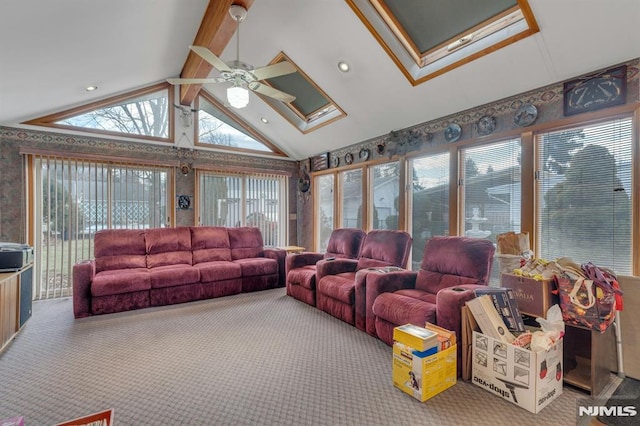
{"x":51,"y":51}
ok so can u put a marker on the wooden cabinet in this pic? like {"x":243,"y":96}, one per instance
{"x":587,"y":357}
{"x":13,"y":313}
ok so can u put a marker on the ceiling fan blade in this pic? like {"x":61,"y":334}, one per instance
{"x":271,"y":92}
{"x":275,"y":70}
{"x":195,"y":80}
{"x":208,"y":56}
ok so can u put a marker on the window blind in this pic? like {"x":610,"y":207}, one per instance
{"x":584,"y":191}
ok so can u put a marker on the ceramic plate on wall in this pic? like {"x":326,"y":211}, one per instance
{"x":486,"y":125}
{"x":452,"y":133}
{"x":348,"y":159}
{"x":525,"y":115}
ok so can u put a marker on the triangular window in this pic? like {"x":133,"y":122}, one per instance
{"x":220,"y":128}
{"x":145,"y":113}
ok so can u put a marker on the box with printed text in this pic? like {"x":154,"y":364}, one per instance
{"x":423,"y":376}
{"x":528,"y":379}
{"x":534,"y":297}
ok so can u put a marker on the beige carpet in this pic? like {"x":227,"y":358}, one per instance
{"x":249,"y":359}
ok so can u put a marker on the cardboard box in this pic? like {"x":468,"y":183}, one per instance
{"x":415,"y":337}
{"x":530,"y":380}
{"x":469,"y":325}
{"x":423,"y":376}
{"x":534,"y":297}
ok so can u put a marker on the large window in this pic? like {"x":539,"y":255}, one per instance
{"x":585,"y":192}
{"x":429,"y":200}
{"x":219,"y":127}
{"x":324,"y":202}
{"x":73,"y":199}
{"x":146,"y":113}
{"x":352,"y":213}
{"x":245,"y":200}
{"x":385,"y":192}
{"x":491,"y":189}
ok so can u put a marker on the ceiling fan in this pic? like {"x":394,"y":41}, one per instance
{"x":242,"y":75}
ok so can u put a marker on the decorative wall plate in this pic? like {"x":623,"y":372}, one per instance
{"x":525,"y":115}
{"x":486,"y":125}
{"x":452,"y":133}
{"x":335,"y":161}
{"x":596,"y":91}
{"x":304,"y":183}
{"x":184,"y":202}
{"x":348,"y":159}
{"x":364,"y":154}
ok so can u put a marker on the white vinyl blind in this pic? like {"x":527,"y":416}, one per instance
{"x":584,"y":190}
{"x":491,"y":180}
{"x":245,"y":200}
{"x":384,"y":187}
{"x":351,"y":182}
{"x":429,"y":201}
{"x":323,"y":187}
{"x":75,"y":198}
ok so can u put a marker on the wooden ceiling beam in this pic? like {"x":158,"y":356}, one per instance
{"x":215,"y":32}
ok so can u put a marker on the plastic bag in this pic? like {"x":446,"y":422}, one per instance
{"x":552,"y":330}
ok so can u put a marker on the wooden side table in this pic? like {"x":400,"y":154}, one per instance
{"x":586,"y":357}
{"x":293,"y":249}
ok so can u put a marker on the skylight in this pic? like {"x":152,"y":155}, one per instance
{"x":311,"y":109}
{"x":426,"y":38}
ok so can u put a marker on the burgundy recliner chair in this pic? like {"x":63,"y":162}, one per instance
{"x":452,"y":267}
{"x":344,"y":243}
{"x":335,"y":292}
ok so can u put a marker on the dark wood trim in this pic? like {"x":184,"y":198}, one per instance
{"x":215,"y":32}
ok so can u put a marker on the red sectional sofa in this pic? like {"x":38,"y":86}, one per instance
{"x":135,"y":269}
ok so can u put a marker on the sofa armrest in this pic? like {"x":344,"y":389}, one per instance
{"x":373,"y":284}
{"x":83,"y":274}
{"x":279,"y":255}
{"x":298,"y":260}
{"x":332,"y":266}
{"x":449,"y":303}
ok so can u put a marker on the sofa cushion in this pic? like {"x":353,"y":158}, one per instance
{"x":120,"y":281}
{"x":168,"y":246}
{"x":383,"y":247}
{"x":400,"y":309}
{"x":245,"y":242}
{"x":345,"y":242}
{"x":340,"y":287}
{"x":218,"y":271}
{"x":257,"y":266}
{"x":210,"y":243}
{"x":304,"y":276}
{"x":116,"y":249}
{"x":433,"y":282}
{"x":173,"y":275}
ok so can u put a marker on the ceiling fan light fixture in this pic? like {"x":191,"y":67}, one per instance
{"x":238,"y":96}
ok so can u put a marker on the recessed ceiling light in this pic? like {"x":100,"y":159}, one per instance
{"x":343,"y":66}
{"x":264,"y":120}
{"x":91,"y":88}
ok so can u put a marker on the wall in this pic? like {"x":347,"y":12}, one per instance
{"x":12,"y":186}
{"x":549,"y":103}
